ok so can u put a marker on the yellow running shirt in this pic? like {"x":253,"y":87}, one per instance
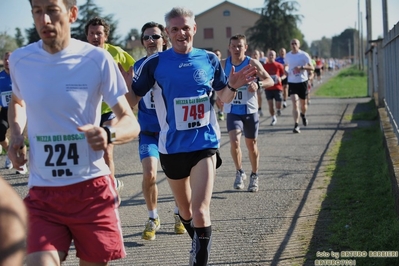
{"x":122,"y":57}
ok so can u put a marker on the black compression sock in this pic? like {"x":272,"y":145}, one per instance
{"x":188,"y":226}
{"x":201,"y":246}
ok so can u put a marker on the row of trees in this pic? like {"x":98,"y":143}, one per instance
{"x":276,"y":27}
{"x":279,"y":24}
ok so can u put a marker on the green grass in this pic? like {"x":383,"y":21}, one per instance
{"x":349,"y":83}
{"x":359,"y":200}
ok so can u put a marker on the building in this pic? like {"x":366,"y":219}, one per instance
{"x":216,"y":25}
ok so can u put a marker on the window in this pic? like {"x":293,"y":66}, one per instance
{"x":226,"y":13}
{"x":228,"y":32}
{"x":208,"y":33}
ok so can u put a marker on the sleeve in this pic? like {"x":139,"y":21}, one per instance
{"x":15,"y":88}
{"x":144,"y":77}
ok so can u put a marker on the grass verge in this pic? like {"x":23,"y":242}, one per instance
{"x":359,"y":206}
{"x":349,"y":83}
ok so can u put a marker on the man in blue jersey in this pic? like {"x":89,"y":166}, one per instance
{"x":242,"y":112}
{"x":5,"y":93}
{"x":182,"y":79}
{"x":154,"y":40}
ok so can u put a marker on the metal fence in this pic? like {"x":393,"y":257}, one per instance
{"x":383,"y":73}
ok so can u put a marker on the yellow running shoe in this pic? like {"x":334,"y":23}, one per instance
{"x":179,"y":227}
{"x":151,"y":226}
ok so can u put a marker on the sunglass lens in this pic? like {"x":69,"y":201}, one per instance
{"x":156,"y":36}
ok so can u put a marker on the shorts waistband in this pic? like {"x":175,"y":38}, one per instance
{"x":73,"y":186}
{"x":149,"y":133}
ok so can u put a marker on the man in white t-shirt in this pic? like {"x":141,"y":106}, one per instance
{"x":298,"y":63}
{"x":58,"y":84}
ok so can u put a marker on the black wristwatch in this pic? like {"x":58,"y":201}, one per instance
{"x":111,"y":133}
{"x":231,"y":88}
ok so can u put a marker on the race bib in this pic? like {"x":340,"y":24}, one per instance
{"x":296,"y":72}
{"x":61,"y":156}
{"x":6,"y":98}
{"x":275,"y":79}
{"x":241,"y":96}
{"x":192,"y":112}
{"x":149,"y":100}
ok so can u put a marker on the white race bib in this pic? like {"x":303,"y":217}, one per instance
{"x":274,"y":77}
{"x":149,"y":100}
{"x":192,"y":112}
{"x":6,"y":98}
{"x":61,"y":155}
{"x":241,"y":96}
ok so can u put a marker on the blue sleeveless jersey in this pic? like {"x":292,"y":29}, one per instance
{"x":5,"y":89}
{"x":147,"y":116}
{"x":181,"y":85}
{"x":245,"y":102}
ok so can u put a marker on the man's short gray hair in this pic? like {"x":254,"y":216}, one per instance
{"x":178,"y":12}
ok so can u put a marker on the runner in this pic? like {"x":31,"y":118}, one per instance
{"x":242,"y":115}
{"x":58,"y":84}
{"x":182,"y":79}
{"x":154,"y":39}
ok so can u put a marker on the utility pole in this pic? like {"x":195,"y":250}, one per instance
{"x":385,"y":17}
{"x":359,"y":50}
{"x":361,"y":42}
{"x":370,"y":53}
{"x":349,"y":49}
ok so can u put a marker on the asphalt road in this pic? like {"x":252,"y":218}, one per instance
{"x":270,"y":227}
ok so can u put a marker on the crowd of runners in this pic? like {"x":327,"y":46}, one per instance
{"x":75,"y":99}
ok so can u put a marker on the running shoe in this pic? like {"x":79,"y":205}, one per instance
{"x":119,"y":185}
{"x":239,"y":182}
{"x":24,"y":170}
{"x":296,"y":129}
{"x":8,"y":164}
{"x":274,"y":121}
{"x":278,"y":112}
{"x":260,"y":112}
{"x":284,"y":104}
{"x":221,"y":116}
{"x":253,"y":183}
{"x":151,"y":227}
{"x":179,"y":227}
{"x":304,"y":121}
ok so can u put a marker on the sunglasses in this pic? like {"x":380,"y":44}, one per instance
{"x":294,"y":43}
{"x":152,"y":37}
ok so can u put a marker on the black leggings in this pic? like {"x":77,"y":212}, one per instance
{"x":3,"y":123}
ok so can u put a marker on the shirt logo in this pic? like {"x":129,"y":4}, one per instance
{"x":185,"y":65}
{"x":200,"y":76}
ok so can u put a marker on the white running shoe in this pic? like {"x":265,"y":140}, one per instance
{"x":239,"y":181}
{"x":253,"y":183}
{"x":8,"y":164}
{"x":24,"y":170}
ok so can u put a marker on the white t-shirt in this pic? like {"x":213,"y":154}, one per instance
{"x":300,"y":58}
{"x":63,"y":91}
